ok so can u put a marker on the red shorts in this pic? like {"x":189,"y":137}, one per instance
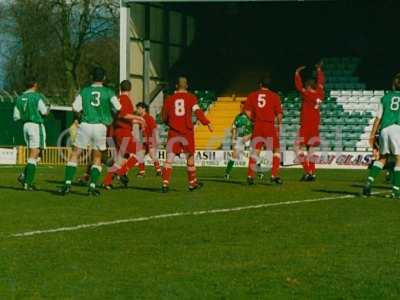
{"x":180,"y":142}
{"x":124,"y":140}
{"x":309,"y":136}
{"x":265,"y":135}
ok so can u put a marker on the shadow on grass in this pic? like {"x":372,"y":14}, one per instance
{"x":336,"y":192}
{"x":48,"y":191}
{"x":61,"y":182}
{"x":382,"y":187}
{"x":220,"y":180}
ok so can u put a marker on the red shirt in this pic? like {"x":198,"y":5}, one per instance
{"x":126,"y":109}
{"x":264,"y":105}
{"x":151,"y":125}
{"x":310,"y":110}
{"x":178,"y":110}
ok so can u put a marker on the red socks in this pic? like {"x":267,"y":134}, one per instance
{"x":132,"y":162}
{"x":191,"y":174}
{"x":252,"y":167}
{"x":303,"y":159}
{"x":166,"y":175}
{"x":276,"y":165}
{"x":157,"y":166}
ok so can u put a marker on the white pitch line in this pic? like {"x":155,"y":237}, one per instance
{"x":172,"y":215}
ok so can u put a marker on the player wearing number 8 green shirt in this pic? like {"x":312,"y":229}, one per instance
{"x":30,"y":109}
{"x":387,"y":121}
{"x":95,"y":105}
{"x":242,"y":129}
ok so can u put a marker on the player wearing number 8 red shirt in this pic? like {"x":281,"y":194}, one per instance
{"x":312,"y":93}
{"x":264,"y":109}
{"x":177,"y":113}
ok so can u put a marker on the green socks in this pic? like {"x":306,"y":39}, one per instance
{"x":95,"y":173}
{"x":30,"y":171}
{"x":229,"y":167}
{"x":70,"y":171}
{"x":396,"y":181}
{"x":374,"y":172}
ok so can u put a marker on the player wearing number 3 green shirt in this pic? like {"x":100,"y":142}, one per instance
{"x":387,"y":121}
{"x":95,"y":105}
{"x":30,"y":109}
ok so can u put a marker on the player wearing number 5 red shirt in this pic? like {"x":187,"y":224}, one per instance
{"x":177,"y":113}
{"x":264,"y":109}
{"x":312,"y":93}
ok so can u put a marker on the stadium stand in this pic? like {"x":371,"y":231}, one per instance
{"x":347,"y":118}
{"x":221,"y":115}
{"x":340,"y":74}
{"x":347,"y":112}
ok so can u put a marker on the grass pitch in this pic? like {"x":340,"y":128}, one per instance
{"x":340,"y":248}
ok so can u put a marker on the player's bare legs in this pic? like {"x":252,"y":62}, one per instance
{"x":142,"y":168}
{"x":167,"y":171}
{"x":121,"y":169}
{"x":156,"y":162}
{"x":303,"y":160}
{"x":396,"y":181}
{"x":251,"y":171}
{"x":375,"y":170}
{"x":276,"y":166}
{"x":95,"y":172}
{"x":152,"y":153}
{"x":238,"y":148}
{"x":254,"y":158}
{"x":28,"y":176}
{"x":70,"y":169}
{"x":191,"y":172}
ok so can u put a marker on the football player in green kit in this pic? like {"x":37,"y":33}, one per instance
{"x":30,"y":109}
{"x":95,"y":104}
{"x":241,"y":134}
{"x":387,"y":121}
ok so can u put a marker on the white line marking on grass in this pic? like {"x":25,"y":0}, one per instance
{"x":177,"y":214}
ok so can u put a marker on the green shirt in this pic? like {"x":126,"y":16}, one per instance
{"x":243,"y":125}
{"x":389,"y":110}
{"x":30,"y":107}
{"x":96,"y":103}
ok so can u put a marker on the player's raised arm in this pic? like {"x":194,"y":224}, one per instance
{"x":248,"y":109}
{"x":320,"y":76}
{"x":298,"y":82}
{"x":165,"y":111}
{"x":199,"y":113}
{"x":375,"y":127}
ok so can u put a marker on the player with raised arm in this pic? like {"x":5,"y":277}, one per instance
{"x":387,"y":121}
{"x":265,"y":110}
{"x":312,"y":94}
{"x":177,"y":113}
{"x":95,"y":103}
{"x":125,"y":141}
{"x":242,"y":129}
{"x":30,"y":109}
{"x":150,"y":140}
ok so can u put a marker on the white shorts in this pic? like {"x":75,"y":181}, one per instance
{"x":389,"y":141}
{"x":35,"y":135}
{"x":242,"y":143}
{"x":92,"y":136}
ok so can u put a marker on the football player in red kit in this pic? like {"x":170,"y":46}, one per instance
{"x":149,"y":145}
{"x":125,"y":142}
{"x":177,"y":113}
{"x":312,"y":93}
{"x":264,"y":109}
